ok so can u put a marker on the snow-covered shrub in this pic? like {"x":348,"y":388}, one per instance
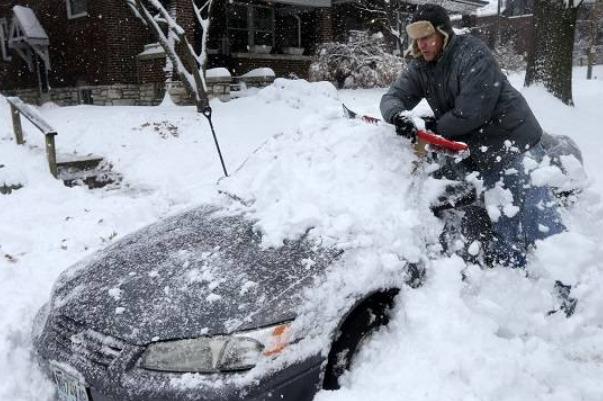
{"x":508,"y":59}
{"x":362,"y":62}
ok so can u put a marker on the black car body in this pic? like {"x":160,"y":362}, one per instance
{"x":153,"y":316}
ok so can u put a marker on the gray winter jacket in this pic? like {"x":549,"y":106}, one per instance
{"x":472,"y":101}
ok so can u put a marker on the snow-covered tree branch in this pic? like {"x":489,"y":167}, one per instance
{"x":361,"y":62}
{"x":187,"y":63}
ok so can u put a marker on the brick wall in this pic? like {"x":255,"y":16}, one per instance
{"x":325,"y":23}
{"x":77,"y":46}
{"x":151,"y":70}
{"x":126,"y":37}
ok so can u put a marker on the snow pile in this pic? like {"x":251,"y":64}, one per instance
{"x":484,"y":338}
{"x":11,"y":176}
{"x":169,"y":163}
{"x":217,"y":73}
{"x":263,"y":72}
{"x":347,"y":181}
{"x":314,"y":98}
{"x":487,"y":336}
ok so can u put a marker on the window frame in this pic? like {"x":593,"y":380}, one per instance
{"x":70,"y":15}
{"x":4,"y":35}
{"x":251,"y":28}
{"x":3,"y":39}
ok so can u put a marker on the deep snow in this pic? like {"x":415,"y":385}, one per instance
{"x":486,"y":338}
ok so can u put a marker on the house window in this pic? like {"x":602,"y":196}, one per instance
{"x":519,"y":7}
{"x":77,"y":8}
{"x":86,"y":96}
{"x":249,"y":25}
{"x":4,"y":39}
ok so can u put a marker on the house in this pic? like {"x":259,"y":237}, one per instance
{"x":92,"y":49}
{"x":98,"y":52}
{"x":515,"y":25}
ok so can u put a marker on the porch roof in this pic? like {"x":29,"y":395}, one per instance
{"x":305,"y":3}
{"x":29,"y":28}
{"x":455,"y":6}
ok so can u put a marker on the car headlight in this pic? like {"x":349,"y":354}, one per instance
{"x":239,"y":351}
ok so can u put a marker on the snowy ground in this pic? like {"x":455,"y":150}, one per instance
{"x":487,"y":338}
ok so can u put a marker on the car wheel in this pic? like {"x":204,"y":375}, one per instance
{"x":354,"y":333}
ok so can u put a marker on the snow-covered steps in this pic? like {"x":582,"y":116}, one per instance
{"x":89,"y":170}
{"x":72,"y":170}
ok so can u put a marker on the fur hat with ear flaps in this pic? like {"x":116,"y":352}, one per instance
{"x":427,"y":19}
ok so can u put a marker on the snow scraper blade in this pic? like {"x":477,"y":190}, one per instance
{"x":353,"y":115}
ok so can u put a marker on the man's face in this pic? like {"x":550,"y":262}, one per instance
{"x":431,"y":46}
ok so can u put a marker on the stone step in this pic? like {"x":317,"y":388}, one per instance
{"x":79,"y":162}
{"x":90,"y":171}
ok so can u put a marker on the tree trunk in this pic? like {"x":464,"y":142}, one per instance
{"x":551,"y":48}
{"x":595,"y":15}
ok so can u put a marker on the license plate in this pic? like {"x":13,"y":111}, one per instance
{"x":68,"y":387}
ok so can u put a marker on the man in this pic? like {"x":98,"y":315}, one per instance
{"x":474,"y":103}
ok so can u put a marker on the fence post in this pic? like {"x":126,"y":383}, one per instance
{"x":17,"y":124}
{"x":51,"y":154}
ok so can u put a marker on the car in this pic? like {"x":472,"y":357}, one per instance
{"x":197,"y":307}
{"x":197,"y":299}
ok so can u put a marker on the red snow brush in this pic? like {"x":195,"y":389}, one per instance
{"x":428,"y":137}
{"x":440,"y":141}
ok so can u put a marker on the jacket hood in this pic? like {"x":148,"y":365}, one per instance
{"x":438,"y":17}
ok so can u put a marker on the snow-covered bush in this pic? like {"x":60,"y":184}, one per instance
{"x":360,"y":63}
{"x":508,"y":59}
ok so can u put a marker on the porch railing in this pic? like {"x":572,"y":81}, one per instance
{"x":18,"y":108}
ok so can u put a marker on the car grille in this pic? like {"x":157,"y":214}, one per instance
{"x":73,"y":338}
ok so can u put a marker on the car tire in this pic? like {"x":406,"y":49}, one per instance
{"x":355,"y":332}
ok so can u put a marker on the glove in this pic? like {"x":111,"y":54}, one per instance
{"x":404,"y":126}
{"x":430,"y":124}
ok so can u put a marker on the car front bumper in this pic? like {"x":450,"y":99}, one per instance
{"x":115,"y":376}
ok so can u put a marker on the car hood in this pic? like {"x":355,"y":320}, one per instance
{"x":202,"y":272}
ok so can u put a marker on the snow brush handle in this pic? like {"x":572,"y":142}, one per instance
{"x":440,"y":141}
{"x":423,"y":137}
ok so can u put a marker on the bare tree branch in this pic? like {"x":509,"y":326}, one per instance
{"x":187,"y":64}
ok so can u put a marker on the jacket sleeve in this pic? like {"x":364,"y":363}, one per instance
{"x":480,"y":83}
{"x":404,"y":94}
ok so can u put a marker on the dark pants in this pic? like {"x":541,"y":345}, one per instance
{"x":520,"y":213}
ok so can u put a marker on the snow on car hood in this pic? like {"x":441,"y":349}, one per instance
{"x":339,"y":182}
{"x":200,"y":272}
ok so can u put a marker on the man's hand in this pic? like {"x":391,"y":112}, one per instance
{"x":404,"y":126}
{"x":430,"y":124}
